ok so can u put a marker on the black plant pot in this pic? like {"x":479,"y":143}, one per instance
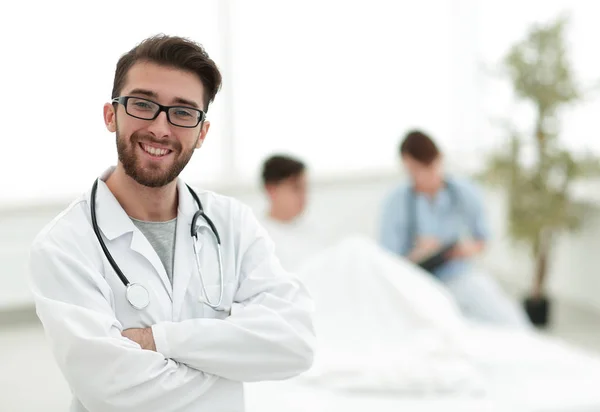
{"x":538,"y":310}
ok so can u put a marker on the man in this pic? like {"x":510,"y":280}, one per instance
{"x":284,"y":180}
{"x":435,"y":211}
{"x":198,"y":324}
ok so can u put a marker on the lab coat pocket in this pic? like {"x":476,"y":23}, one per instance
{"x":223,"y":309}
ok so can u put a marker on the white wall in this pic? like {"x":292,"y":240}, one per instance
{"x":306,"y":76}
{"x":346,"y":207}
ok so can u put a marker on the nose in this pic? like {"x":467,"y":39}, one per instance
{"x":160,"y":127}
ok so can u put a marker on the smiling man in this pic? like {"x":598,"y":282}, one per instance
{"x":149,"y":161}
{"x":155,"y":296}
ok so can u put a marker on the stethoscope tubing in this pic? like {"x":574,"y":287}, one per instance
{"x":194,"y":233}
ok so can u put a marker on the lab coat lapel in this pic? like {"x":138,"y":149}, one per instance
{"x":114,"y":222}
{"x":185,"y":264}
{"x":140,"y":244}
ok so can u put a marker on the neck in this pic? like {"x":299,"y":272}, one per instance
{"x":151,"y":204}
{"x":279,"y":215}
{"x":431,"y":190}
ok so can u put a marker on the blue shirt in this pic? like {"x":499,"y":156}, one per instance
{"x":456,"y":210}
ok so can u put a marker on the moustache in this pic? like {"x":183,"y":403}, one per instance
{"x":149,"y":139}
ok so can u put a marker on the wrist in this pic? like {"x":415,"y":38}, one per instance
{"x":149,"y":343}
{"x":471,"y":248}
{"x":476,"y":246}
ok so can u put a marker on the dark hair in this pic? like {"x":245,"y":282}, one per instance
{"x":172,"y":51}
{"x":420,"y":147}
{"x":281,"y":167}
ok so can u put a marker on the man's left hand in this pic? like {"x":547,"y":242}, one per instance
{"x":141,"y":336}
{"x":466,"y":249}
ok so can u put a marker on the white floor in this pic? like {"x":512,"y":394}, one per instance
{"x":29,"y":378}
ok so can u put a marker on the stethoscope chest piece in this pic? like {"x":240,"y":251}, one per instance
{"x":138,"y":296}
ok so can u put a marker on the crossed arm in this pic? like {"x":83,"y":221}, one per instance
{"x":269,"y":334}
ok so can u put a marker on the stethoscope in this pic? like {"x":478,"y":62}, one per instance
{"x":137,"y":295}
{"x":456,"y":203}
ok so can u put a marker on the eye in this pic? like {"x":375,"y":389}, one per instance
{"x":183,"y":113}
{"x":142,"y":105}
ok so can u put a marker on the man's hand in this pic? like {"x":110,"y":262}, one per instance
{"x":142,"y":337}
{"x":466,"y":249}
{"x":428,"y":244}
{"x":423,"y":247}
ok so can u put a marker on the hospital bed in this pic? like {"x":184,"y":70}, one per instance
{"x":522,"y":372}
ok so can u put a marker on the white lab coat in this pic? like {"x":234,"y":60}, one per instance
{"x":202,"y":356}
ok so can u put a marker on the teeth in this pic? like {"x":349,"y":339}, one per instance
{"x":155,"y":151}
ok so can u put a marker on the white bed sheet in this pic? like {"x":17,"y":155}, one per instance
{"x":395,"y":334}
{"x":523,"y":372}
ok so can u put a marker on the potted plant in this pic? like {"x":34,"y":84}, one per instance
{"x":540,"y":204}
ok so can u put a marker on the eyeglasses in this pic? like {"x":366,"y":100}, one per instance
{"x":148,"y":110}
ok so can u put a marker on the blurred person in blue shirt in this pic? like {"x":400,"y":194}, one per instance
{"x":439,"y":214}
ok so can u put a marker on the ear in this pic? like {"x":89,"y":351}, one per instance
{"x":110,"y":118}
{"x":270,"y":189}
{"x":438,"y":162}
{"x":203,"y":132}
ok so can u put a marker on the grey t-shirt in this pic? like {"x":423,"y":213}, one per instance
{"x":161,"y":236}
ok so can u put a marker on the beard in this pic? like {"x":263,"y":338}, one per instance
{"x":151,"y":175}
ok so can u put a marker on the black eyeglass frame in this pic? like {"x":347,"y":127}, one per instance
{"x":124,"y":99}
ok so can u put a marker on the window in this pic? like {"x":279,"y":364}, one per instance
{"x":339,"y":82}
{"x":58,"y":75}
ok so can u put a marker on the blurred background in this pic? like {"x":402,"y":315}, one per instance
{"x":336,"y":83}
